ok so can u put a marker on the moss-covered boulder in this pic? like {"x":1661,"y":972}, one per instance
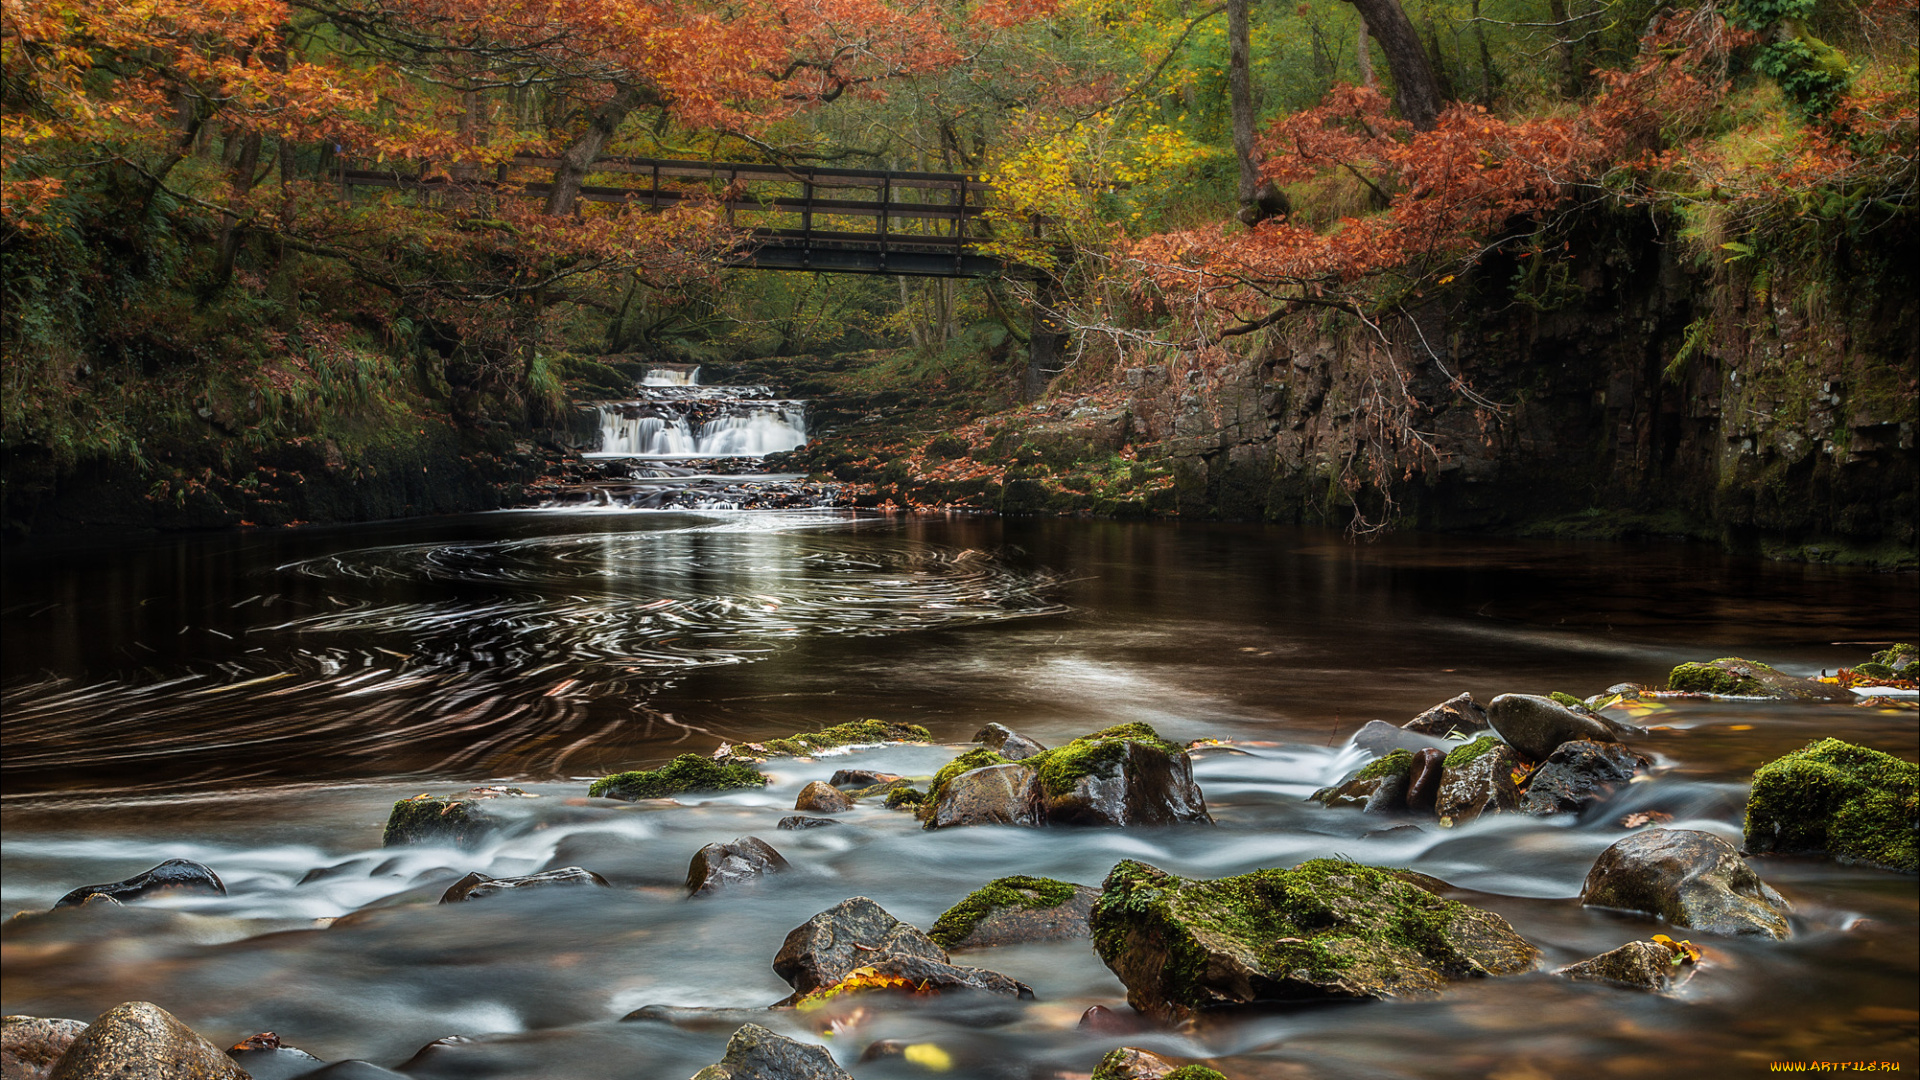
{"x":808,"y":743}
{"x":1732,"y":676}
{"x":1476,"y":779}
{"x":1848,"y":801}
{"x":1013,"y":910}
{"x":465,"y":820}
{"x":1689,"y":878}
{"x":1379,"y":787}
{"x":688,"y":772}
{"x":1124,"y":775}
{"x":1324,"y":930}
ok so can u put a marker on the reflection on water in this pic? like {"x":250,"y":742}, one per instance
{"x":258,"y":702}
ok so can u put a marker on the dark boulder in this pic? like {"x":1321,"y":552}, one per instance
{"x":478,"y":886}
{"x":1124,"y":775}
{"x":858,"y":933}
{"x":139,"y":1040}
{"x":723,"y":866}
{"x":465,"y":820}
{"x":1855,"y":804}
{"x":29,"y":1045}
{"x":862,"y":778}
{"x":1379,"y":738}
{"x":1731,"y":676}
{"x":1577,"y":775}
{"x":1477,"y":779}
{"x":1423,"y":780}
{"x":796,"y":823}
{"x":686,"y":773}
{"x":1379,"y":787}
{"x":1324,"y":930}
{"x":172,"y":876}
{"x":1008,"y":743}
{"x":1638,"y":965}
{"x":1691,"y":879}
{"x":1014,"y":910}
{"x":755,"y":1053}
{"x":1536,"y":726}
{"x":820,"y":798}
{"x":1461,"y":714}
{"x":1006,"y":794}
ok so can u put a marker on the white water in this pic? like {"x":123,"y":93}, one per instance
{"x":672,"y":377}
{"x":758,"y":430}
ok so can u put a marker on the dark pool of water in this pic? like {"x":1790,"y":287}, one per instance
{"x":258,"y":701}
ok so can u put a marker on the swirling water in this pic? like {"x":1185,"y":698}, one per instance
{"x":257,"y":702}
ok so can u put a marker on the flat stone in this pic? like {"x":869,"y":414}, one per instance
{"x":862,"y":778}
{"x":1461,"y":714}
{"x":741,"y":861}
{"x":1689,"y":878}
{"x":1638,"y":965}
{"x":30,"y":1045}
{"x":822,"y":798}
{"x":172,"y":876}
{"x":755,"y":1053}
{"x":139,"y":1040}
{"x":275,"y":1063}
{"x":478,"y":886}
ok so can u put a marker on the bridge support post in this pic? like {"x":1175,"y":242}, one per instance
{"x":1047,"y":334}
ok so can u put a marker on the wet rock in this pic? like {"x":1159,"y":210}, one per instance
{"x":1732,"y":676}
{"x":1379,"y":738}
{"x":819,"y":798}
{"x":1378,"y":787}
{"x":858,"y":933}
{"x":1691,"y":879}
{"x":139,"y":1040}
{"x":1014,"y":910}
{"x":906,"y":798}
{"x":1008,"y":743}
{"x":29,"y":1045}
{"x":1536,"y":726}
{"x":1639,"y":965}
{"x":274,"y":1062}
{"x":1324,"y":930}
{"x":1462,"y":714}
{"x":1577,"y":775}
{"x":1124,"y":775}
{"x":754,"y":1053}
{"x":1848,"y":801}
{"x":1104,"y":1021}
{"x":1132,"y":1063}
{"x":1007,"y":794}
{"x":478,"y":886}
{"x":1423,"y":780}
{"x":855,"y":733}
{"x":174,"y":875}
{"x":797,"y":823}
{"x":1477,"y":779}
{"x":724,"y":866}
{"x":465,"y":820}
{"x":862,"y":778}
{"x":686,"y":773}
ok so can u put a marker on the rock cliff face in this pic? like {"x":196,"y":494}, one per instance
{"x":1642,"y":391}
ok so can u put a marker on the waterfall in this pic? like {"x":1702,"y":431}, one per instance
{"x":692,"y":421}
{"x":684,"y":375}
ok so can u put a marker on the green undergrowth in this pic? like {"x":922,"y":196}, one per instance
{"x":956,"y":924}
{"x":688,"y":772}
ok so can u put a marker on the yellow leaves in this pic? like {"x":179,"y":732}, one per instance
{"x":1684,"y":952}
{"x":929,"y":1056}
{"x":859,"y":980}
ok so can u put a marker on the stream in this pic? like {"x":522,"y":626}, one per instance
{"x":257,"y":701}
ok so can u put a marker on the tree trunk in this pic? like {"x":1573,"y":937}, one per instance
{"x":1415,"y":90}
{"x":1563,"y":46}
{"x":1240,"y":99}
{"x":1363,"y":56}
{"x":239,"y":183}
{"x":585,"y":150}
{"x":1486,"y":58}
{"x":1043,"y":342}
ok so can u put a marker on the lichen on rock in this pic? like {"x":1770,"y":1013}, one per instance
{"x":688,"y":772}
{"x":1854,"y":803}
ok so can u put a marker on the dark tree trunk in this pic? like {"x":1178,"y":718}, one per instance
{"x":1240,"y":98}
{"x":575,"y":162}
{"x":1043,"y":342}
{"x":239,"y":183}
{"x":1416,"y":92}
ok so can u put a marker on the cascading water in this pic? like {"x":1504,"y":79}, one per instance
{"x":677,"y":417}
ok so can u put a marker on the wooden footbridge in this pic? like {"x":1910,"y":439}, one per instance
{"x":854,"y":221}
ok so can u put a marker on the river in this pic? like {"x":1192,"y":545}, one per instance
{"x":257,"y":701}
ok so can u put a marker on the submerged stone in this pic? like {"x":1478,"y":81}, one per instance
{"x":744,"y":860}
{"x":1637,"y":965}
{"x":1324,"y":930}
{"x":1733,"y":676}
{"x":688,"y":772}
{"x":795,"y":823}
{"x":1379,"y":738}
{"x":478,"y":886}
{"x":755,"y":1053}
{"x":1013,"y":910}
{"x":139,"y":1040}
{"x":172,"y":876}
{"x":1461,"y":714}
{"x":464,"y":820}
{"x":1856,"y":804}
{"x":1132,"y":1063}
{"x":1689,"y":878}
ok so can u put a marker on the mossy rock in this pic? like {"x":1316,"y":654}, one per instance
{"x":1856,"y":804}
{"x":1380,"y":787}
{"x":1012,"y":910}
{"x":854,"y":733}
{"x":1733,"y":676}
{"x":905,"y":798}
{"x":1897,"y":656}
{"x":1121,"y":775}
{"x":1478,"y":748}
{"x":688,"y":772}
{"x":1324,"y":930}
{"x":463,"y":820}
